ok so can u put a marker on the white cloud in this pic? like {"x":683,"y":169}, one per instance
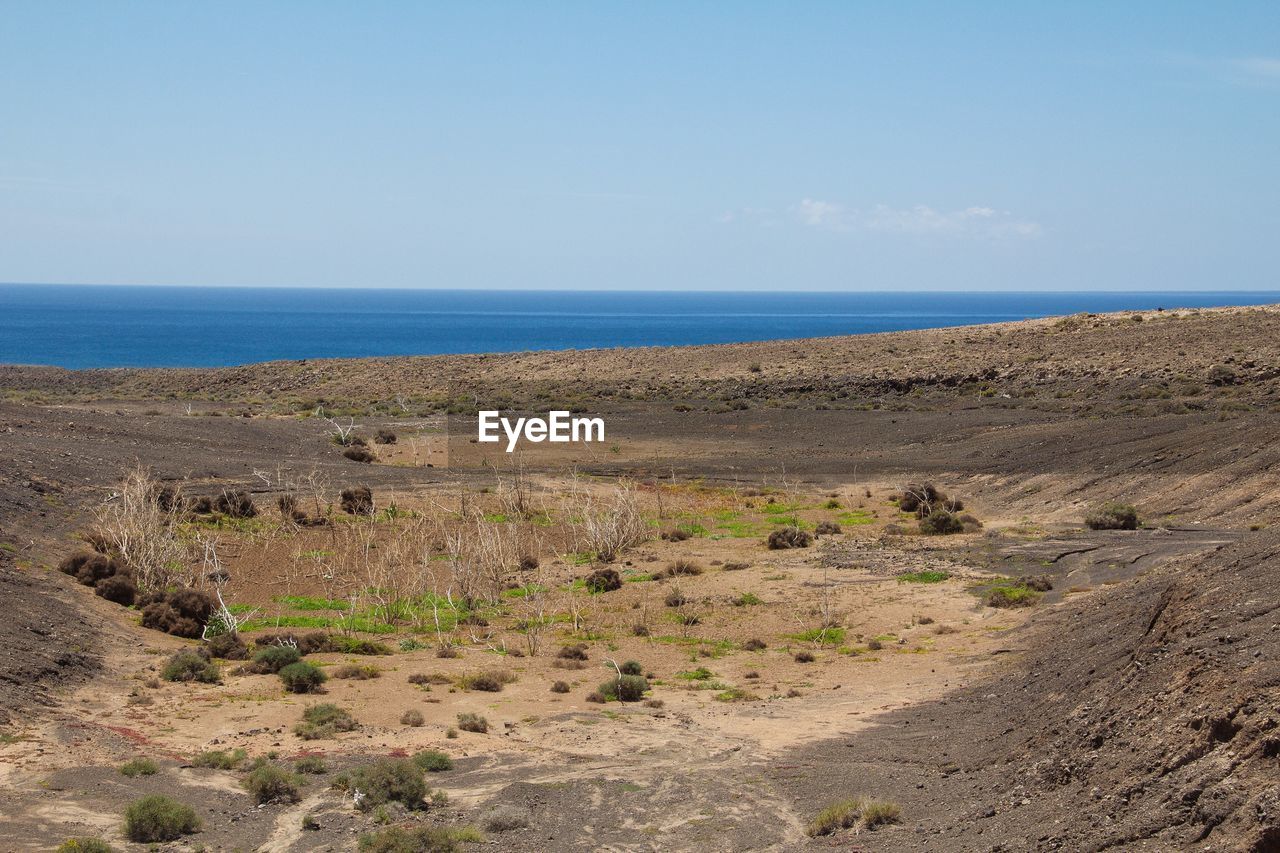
{"x":1259,"y":66}
{"x":977,"y":221}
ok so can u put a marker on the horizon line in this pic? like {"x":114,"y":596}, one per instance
{"x":484,"y":289}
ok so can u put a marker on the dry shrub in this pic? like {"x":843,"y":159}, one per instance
{"x":1039,"y":583}
{"x":609,"y":525}
{"x":789,"y":537}
{"x":235,"y":503}
{"x":384,"y":436}
{"x":182,"y":613}
{"x":683,"y":567}
{"x":227,"y":646}
{"x":356,"y":672}
{"x":805,"y":657}
{"x":754,"y":645}
{"x":412,"y":718}
{"x":358,"y":453}
{"x":504,"y":818}
{"x":142,"y":535}
{"x":736,"y":567}
{"x":560,"y":687}
{"x":575,"y":651}
{"x":604,"y":580}
{"x":117,"y":588}
{"x":827,"y":528}
{"x":357,"y":500}
{"x":924,"y":498}
{"x":470,"y":722}
{"x":489,"y":681}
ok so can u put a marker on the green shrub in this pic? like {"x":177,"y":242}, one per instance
{"x":625,"y":688}
{"x":139,"y":767}
{"x":272,"y":659}
{"x":1112,"y":516}
{"x":355,"y":646}
{"x":302,"y":677}
{"x":1012,"y":595}
{"x":390,"y":780}
{"x":190,"y":665}
{"x":433,"y":761}
{"x":941,"y":523}
{"x":632,"y":667}
{"x":158,"y":818}
{"x":419,"y":839}
{"x":469,"y":722}
{"x":85,"y":845}
{"x":271,"y":784}
{"x":324,"y":721}
{"x":219,"y":759}
{"x":312,"y":764}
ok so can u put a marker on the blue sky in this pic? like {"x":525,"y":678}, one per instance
{"x":806,"y":146}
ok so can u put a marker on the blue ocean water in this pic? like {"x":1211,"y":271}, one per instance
{"x":101,"y":326}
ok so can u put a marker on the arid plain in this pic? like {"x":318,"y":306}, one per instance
{"x":833,"y":593}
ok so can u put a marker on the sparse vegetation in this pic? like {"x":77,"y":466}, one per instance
{"x":85,"y":845}
{"x":433,"y":761}
{"x":420,"y":839}
{"x":219,"y":759}
{"x":471,"y":722}
{"x":139,"y":767}
{"x":324,"y":721}
{"x":504,"y":818}
{"x":846,"y":814}
{"x":412,"y":718}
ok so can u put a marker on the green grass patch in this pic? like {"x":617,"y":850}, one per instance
{"x":824,"y":636}
{"x":855,"y":517}
{"x":927,"y":576}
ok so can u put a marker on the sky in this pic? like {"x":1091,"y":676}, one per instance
{"x":663,"y":145}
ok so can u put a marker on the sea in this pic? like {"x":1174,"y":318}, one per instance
{"x":83,"y":326}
